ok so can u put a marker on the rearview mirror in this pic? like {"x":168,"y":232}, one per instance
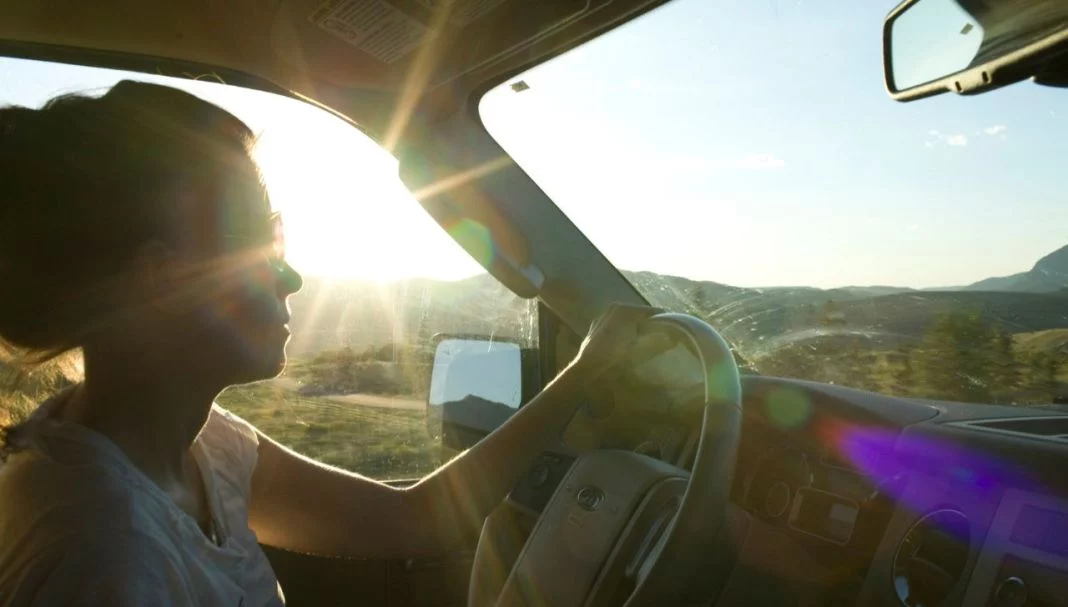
{"x":476,"y":384}
{"x":969,"y":46}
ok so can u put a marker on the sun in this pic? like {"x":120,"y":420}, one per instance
{"x":345,"y":210}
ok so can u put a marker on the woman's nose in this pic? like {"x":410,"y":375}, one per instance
{"x":289,"y":280}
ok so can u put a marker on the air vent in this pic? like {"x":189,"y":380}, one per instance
{"x":931,"y":557}
{"x":1054,"y":428}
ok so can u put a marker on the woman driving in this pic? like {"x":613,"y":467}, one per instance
{"x":135,"y":228}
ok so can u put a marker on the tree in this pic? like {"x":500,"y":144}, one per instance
{"x":832,"y":313}
{"x":1005,"y":371}
{"x":699,"y":302}
{"x":964,"y":357}
{"x":904,"y":376}
{"x":1043,"y":368}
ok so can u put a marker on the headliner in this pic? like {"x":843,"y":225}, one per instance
{"x":377,"y":62}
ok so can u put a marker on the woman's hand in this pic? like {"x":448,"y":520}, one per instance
{"x":611,"y":339}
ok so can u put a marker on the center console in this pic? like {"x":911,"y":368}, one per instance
{"x":981,"y":520}
{"x":1024,"y":558}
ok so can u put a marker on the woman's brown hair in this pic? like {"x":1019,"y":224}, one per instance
{"x":85,"y":182}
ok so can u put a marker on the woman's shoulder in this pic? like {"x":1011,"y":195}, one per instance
{"x":44,"y":501}
{"x":112,"y":564}
{"x":35,"y":485}
{"x":74,"y":526}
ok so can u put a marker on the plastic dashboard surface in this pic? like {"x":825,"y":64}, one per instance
{"x":807,"y":471}
{"x":936,"y":503}
{"x":980,"y":514}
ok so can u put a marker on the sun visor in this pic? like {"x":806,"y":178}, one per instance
{"x":452,"y":197}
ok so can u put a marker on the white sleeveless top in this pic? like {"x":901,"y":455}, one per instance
{"x":80,"y":524}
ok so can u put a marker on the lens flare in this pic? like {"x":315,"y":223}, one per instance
{"x":722,"y":382}
{"x":788,"y":407}
{"x":885,"y":455}
{"x":475,"y":238}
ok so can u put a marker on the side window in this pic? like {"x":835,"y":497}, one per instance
{"x":384,"y":284}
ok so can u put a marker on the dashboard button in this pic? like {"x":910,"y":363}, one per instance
{"x":1011,"y":592}
{"x":777,"y":500}
{"x":538,"y":475}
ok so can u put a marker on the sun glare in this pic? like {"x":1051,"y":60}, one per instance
{"x":346,"y":212}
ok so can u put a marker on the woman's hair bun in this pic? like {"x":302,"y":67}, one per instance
{"x":84,"y":182}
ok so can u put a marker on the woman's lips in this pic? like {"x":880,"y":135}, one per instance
{"x":283,"y":326}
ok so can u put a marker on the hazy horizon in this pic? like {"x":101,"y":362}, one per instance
{"x":328,"y":278}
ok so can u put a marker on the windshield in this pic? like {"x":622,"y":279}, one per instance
{"x":742,"y":161}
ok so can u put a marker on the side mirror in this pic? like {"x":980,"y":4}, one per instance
{"x":971,"y":46}
{"x":476,"y":384}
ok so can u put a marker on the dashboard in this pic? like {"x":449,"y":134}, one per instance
{"x":899,"y":502}
{"x":859,"y":498}
{"x":808,"y":492}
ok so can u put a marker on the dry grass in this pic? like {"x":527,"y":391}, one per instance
{"x":381,"y":443}
{"x":14,"y":408}
{"x":23,"y":388}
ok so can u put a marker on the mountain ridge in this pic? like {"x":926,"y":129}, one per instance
{"x":1049,"y":274}
{"x":329,"y":314}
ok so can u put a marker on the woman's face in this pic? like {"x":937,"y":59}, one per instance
{"x":243,"y":281}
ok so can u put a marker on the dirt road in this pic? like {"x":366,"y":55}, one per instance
{"x":361,"y":400}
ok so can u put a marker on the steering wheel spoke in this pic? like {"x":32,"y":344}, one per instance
{"x":578,"y":528}
{"x":624,"y":528}
{"x":640,"y":543}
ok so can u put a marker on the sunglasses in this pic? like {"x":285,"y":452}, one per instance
{"x":272,"y":243}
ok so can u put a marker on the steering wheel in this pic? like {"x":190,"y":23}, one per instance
{"x":626,"y":529}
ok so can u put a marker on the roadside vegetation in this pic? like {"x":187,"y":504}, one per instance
{"x":361,"y":411}
{"x":23,"y":388}
{"x":962,"y":356}
{"x":389,"y":369}
{"x":377,"y":441}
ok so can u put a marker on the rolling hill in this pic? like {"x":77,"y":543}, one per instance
{"x":1051,"y":340}
{"x":332,"y":314}
{"x":328,"y":315}
{"x":1048,"y":275}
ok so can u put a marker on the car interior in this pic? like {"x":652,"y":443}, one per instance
{"x":701,"y":476}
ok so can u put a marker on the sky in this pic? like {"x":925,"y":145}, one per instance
{"x":750,"y":142}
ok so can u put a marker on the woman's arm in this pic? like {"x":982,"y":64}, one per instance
{"x":302,"y":505}
{"x":299,"y":504}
